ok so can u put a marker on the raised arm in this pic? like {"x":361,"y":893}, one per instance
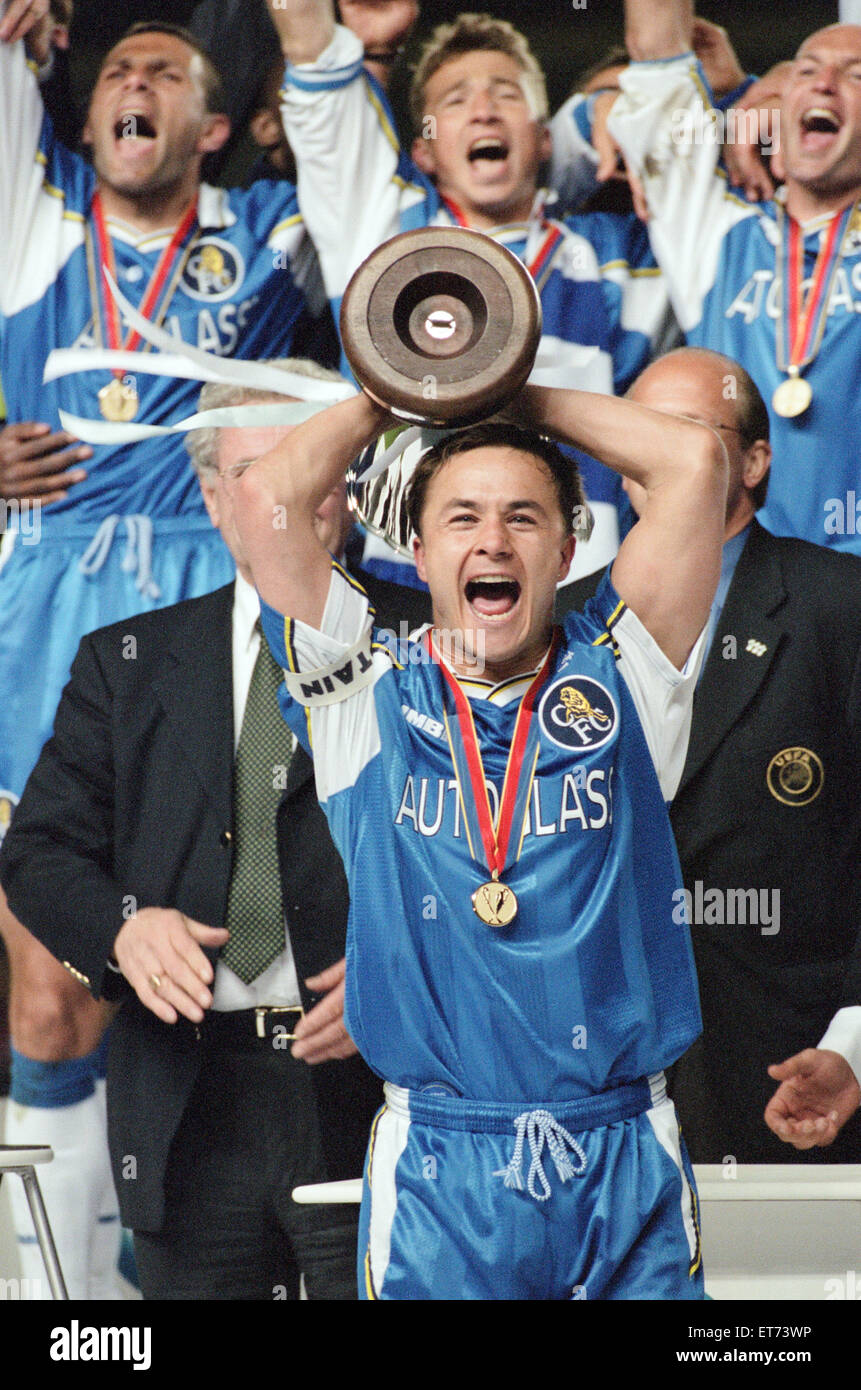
{"x":669,"y":564}
{"x":305,"y":27}
{"x":659,"y":123}
{"x":21,"y":115}
{"x":383,"y":27}
{"x":351,"y":175}
{"x":44,"y":188}
{"x":658,"y":28}
{"x":275,"y":500}
{"x":32,"y":20}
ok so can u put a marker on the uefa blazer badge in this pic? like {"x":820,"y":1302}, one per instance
{"x":795,"y":776}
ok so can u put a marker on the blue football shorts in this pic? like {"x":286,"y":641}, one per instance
{"x":590,"y":1199}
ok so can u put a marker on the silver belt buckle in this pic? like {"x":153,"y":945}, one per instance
{"x":260,"y":1016}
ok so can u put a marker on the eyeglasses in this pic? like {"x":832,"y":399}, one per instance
{"x":233,"y":470}
{"x":715,"y":425}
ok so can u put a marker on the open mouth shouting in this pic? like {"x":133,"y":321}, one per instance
{"x":489,"y":148}
{"x":819,"y":127}
{"x":134,"y":125}
{"x":492,"y":597}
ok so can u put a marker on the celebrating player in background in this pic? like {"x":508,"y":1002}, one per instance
{"x":594,"y":175}
{"x":479,"y":111}
{"x":773,"y":285}
{"x":231,"y":272}
{"x":541,"y":984}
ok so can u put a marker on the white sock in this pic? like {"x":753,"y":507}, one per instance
{"x":56,"y":1103}
{"x":106,"y":1234}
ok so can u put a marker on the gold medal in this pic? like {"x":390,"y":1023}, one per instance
{"x":118,"y":401}
{"x":495,"y":903}
{"x":792,"y":397}
{"x":804,"y":311}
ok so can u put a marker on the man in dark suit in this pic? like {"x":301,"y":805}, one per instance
{"x":768,"y":817}
{"x":128,"y":855}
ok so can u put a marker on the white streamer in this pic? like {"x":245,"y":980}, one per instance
{"x":394,"y":452}
{"x":235,"y":416}
{"x":182,"y":360}
{"x":179,"y":359}
{"x":238,"y":372}
{"x":67,"y":361}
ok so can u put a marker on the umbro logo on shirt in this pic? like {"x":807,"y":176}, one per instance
{"x":423,"y":721}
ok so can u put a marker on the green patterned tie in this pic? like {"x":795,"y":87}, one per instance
{"x":255,"y":913}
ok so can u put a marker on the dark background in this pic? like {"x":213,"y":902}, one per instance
{"x":566,"y":39}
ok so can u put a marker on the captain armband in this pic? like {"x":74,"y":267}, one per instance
{"x":327,"y":685}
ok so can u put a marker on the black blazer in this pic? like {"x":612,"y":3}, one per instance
{"x":129,"y":806}
{"x":783,"y":673}
{"x":766,"y":996}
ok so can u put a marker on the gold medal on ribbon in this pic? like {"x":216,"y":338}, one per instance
{"x":792,"y":397}
{"x":803,"y":316}
{"x":495,"y":903}
{"x":118,"y":401}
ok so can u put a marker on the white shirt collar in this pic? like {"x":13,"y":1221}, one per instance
{"x":213,"y":207}
{"x":479,"y":688}
{"x":246,"y":610}
{"x":213,"y":211}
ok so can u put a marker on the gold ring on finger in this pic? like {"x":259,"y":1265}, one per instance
{"x":155,"y":981}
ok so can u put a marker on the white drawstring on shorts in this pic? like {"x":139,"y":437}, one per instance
{"x":138,"y":556}
{"x":539,"y":1126}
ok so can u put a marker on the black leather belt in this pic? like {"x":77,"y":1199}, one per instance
{"x":241,"y":1025}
